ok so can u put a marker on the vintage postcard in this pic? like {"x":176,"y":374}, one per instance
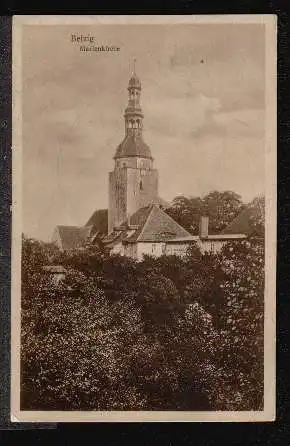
{"x":144,"y":218}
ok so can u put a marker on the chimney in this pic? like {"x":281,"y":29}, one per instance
{"x":203,"y":227}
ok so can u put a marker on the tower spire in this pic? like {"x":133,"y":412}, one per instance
{"x":134,"y":66}
{"x":133,"y":113}
{"x":133,"y":144}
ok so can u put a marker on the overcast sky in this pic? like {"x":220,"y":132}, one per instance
{"x":202,"y":97}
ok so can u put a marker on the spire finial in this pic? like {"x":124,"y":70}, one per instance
{"x":134,"y":66}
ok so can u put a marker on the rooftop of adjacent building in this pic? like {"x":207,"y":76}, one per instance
{"x":148,"y":224}
{"x":152,"y":224}
{"x":244,"y":225}
{"x":250,"y":221}
{"x":73,"y":237}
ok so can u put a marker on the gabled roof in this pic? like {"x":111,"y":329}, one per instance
{"x":99,"y":219}
{"x":137,"y":220}
{"x":115,"y":237}
{"x":250,"y":221}
{"x":73,"y":237}
{"x":99,"y":222}
{"x":148,"y":224}
{"x":159,"y":226}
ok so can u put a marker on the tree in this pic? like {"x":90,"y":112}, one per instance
{"x":220,"y":207}
{"x":241,"y":318}
{"x":167,"y":333}
{"x":75,"y":347}
{"x":187,"y":211}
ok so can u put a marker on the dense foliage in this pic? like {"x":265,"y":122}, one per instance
{"x":220,"y":207}
{"x":165,"y":333}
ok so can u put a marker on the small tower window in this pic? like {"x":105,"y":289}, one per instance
{"x":141,"y":185}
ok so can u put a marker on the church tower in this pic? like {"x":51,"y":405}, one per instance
{"x":134,"y":182}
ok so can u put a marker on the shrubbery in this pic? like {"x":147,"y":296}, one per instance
{"x":165,"y":333}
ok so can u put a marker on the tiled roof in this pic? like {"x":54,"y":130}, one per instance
{"x":115,"y":237}
{"x":138,"y":220}
{"x":160,"y":226}
{"x":139,"y":217}
{"x":148,"y":224}
{"x":99,"y":221}
{"x":73,"y":237}
{"x":133,"y":145}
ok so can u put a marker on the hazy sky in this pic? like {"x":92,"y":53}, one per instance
{"x":203,"y":121}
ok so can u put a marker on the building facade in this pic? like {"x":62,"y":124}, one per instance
{"x":151,"y":231}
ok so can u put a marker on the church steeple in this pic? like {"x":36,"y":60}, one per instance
{"x":133,"y":144}
{"x":133,"y":114}
{"x":133,"y":183}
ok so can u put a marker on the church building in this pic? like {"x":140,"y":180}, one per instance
{"x":137,"y":223}
{"x":133,"y":183}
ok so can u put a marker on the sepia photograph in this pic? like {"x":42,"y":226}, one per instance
{"x":144,"y":218}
